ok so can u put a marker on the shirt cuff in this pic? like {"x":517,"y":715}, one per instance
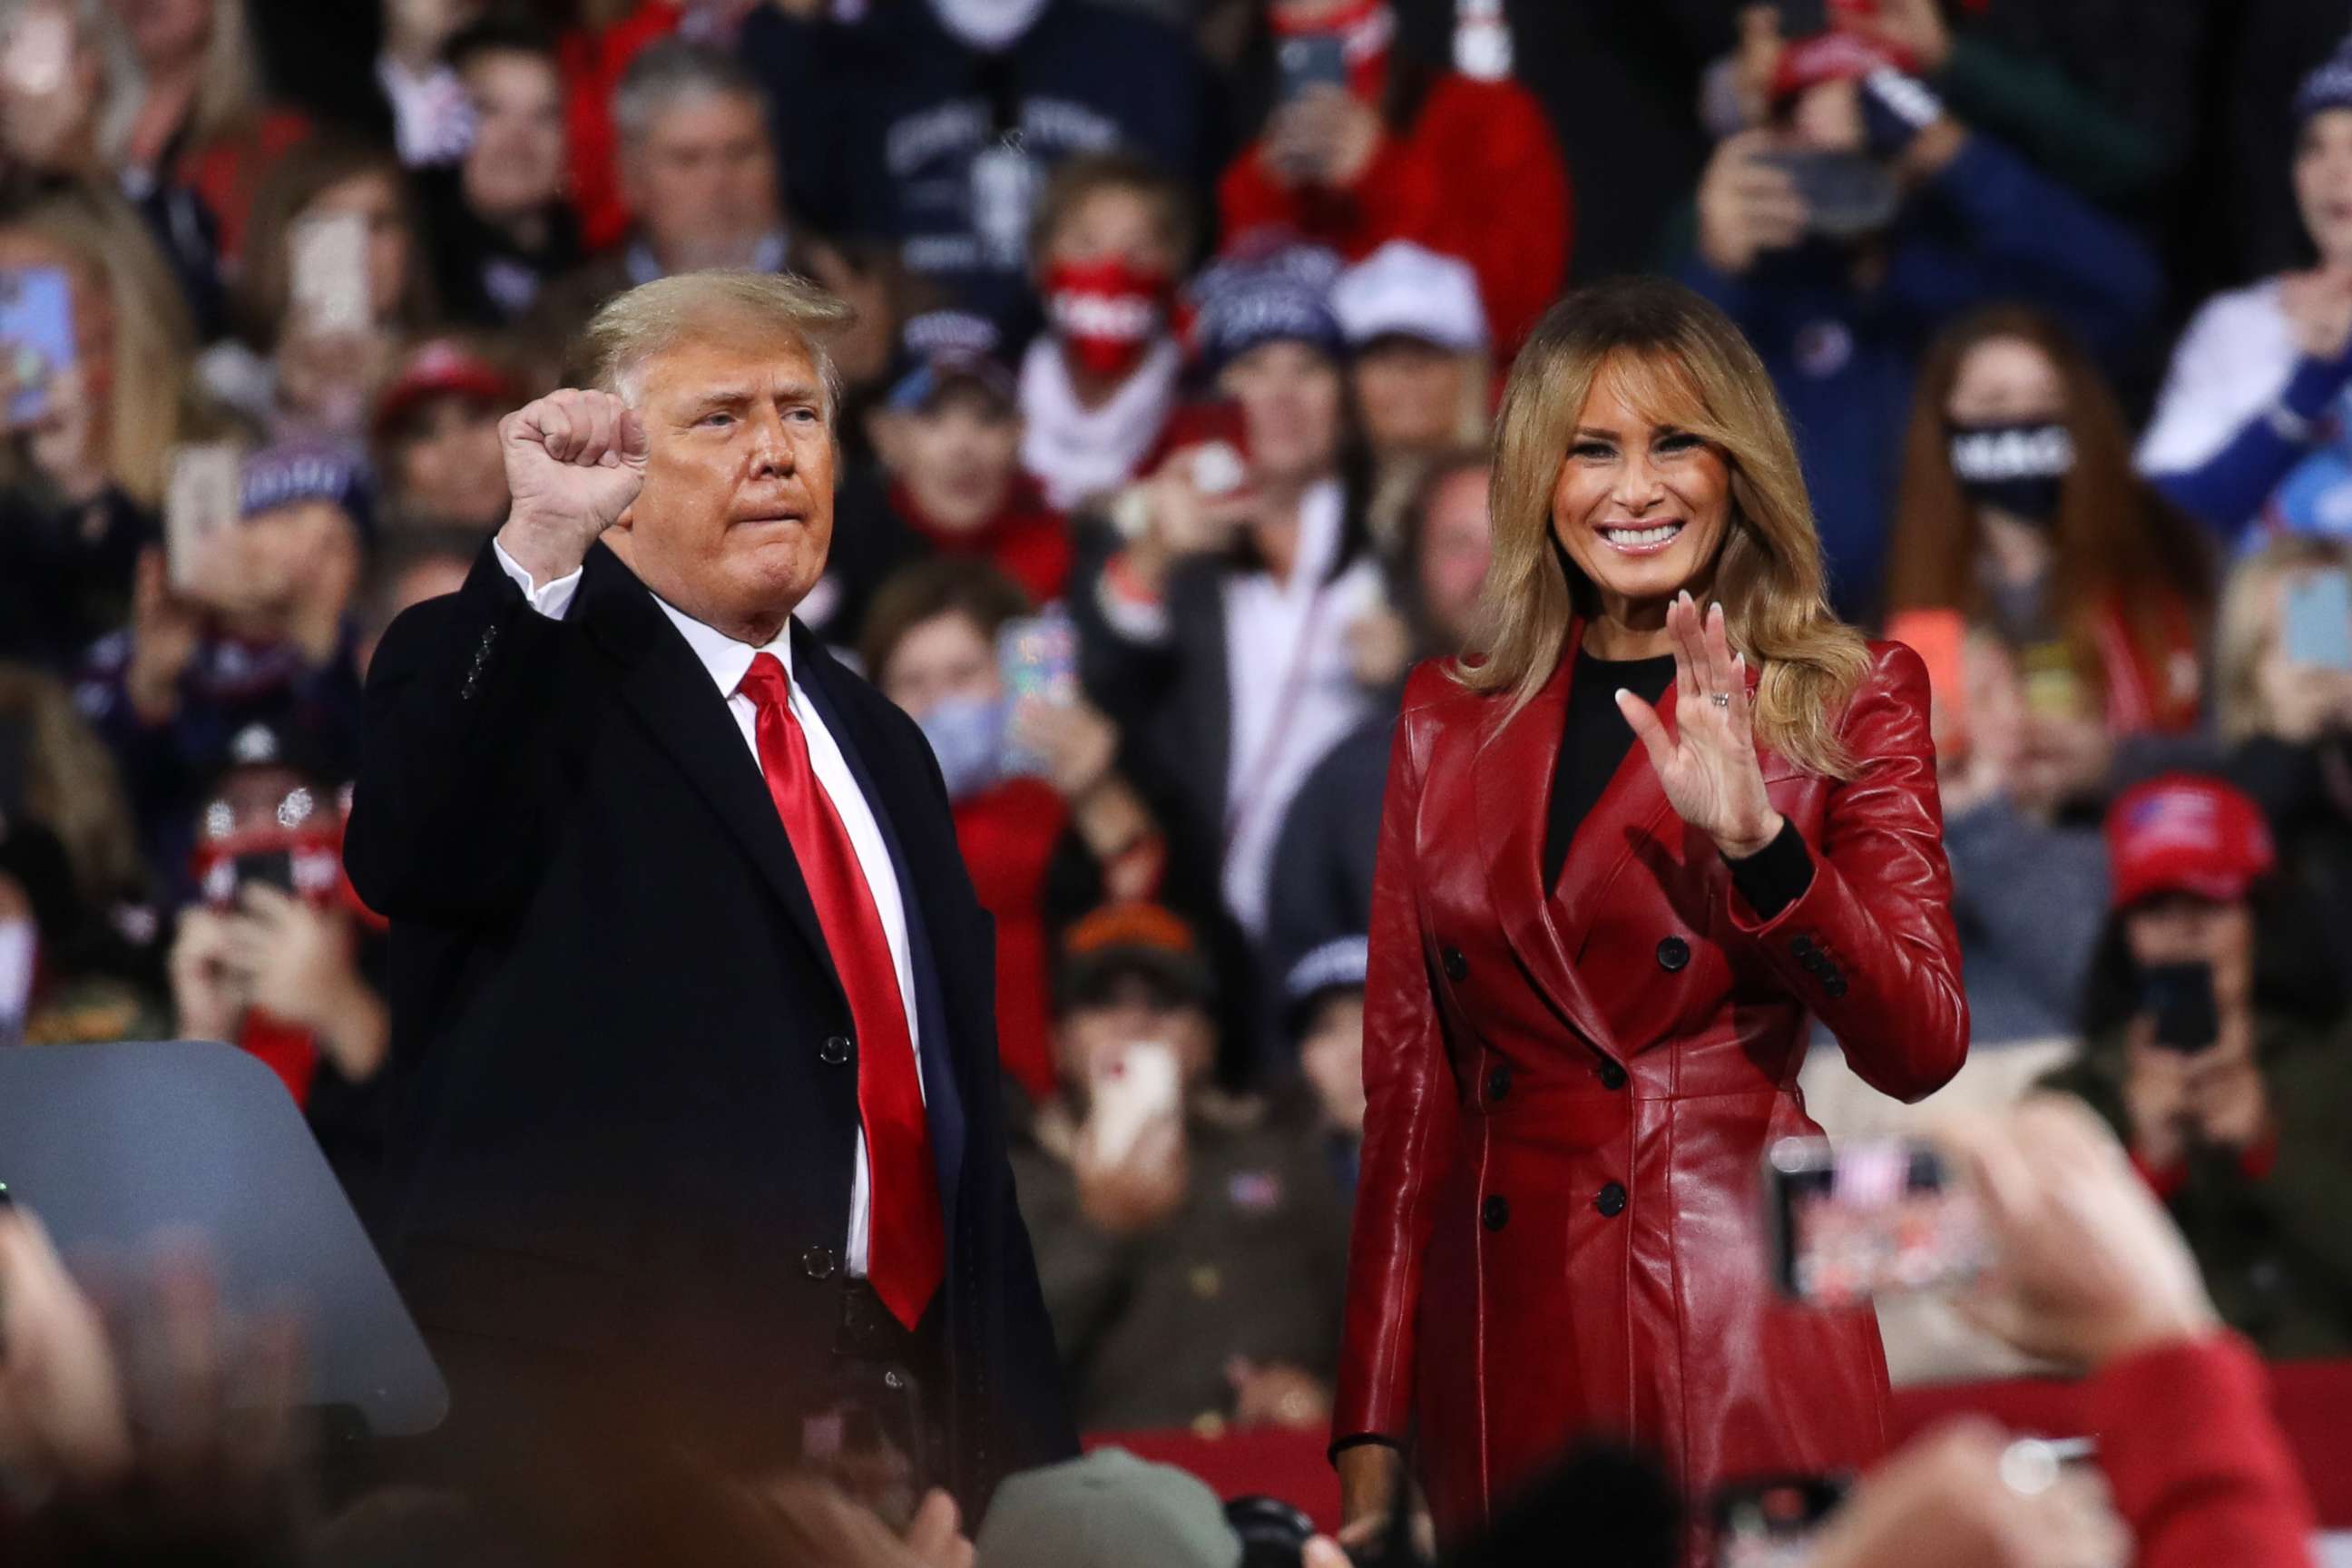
{"x":552,"y":600}
{"x":1777,"y":875}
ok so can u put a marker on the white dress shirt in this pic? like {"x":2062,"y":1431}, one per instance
{"x":728,"y":660}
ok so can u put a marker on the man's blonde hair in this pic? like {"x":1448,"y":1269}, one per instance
{"x":745,"y":307}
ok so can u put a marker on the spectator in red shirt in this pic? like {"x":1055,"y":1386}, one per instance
{"x":1462,"y":165}
{"x":1042,"y":844}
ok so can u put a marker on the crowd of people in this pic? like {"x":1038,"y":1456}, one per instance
{"x":1164,"y":458}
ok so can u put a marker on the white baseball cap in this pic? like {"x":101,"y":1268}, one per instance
{"x":1408,"y":290}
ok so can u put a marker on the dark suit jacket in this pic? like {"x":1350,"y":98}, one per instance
{"x":623,"y":1132}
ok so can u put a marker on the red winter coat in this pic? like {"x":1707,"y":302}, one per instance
{"x":1476,"y":174}
{"x":1559,"y":1228}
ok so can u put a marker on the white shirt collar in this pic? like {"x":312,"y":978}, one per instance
{"x":726,"y":659}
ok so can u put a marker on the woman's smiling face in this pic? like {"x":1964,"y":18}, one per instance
{"x":1642,"y":503}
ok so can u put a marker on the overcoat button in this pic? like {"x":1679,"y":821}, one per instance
{"x":1612,"y":1200}
{"x":1494,"y":1213}
{"x":1801,"y":945}
{"x":1456,"y":966}
{"x":834,"y":1051}
{"x":1498,"y":1082}
{"x":818,"y":1263}
{"x":1672,"y":953}
{"x":1611,"y":1076}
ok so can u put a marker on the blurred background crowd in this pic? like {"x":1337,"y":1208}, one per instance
{"x":1179,"y":325}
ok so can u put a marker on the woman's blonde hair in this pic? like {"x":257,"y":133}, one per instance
{"x":2247,"y":626}
{"x":228,"y":85}
{"x":151,"y":402}
{"x":71,"y":786}
{"x":1681,"y":361}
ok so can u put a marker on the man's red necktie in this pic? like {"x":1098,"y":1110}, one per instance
{"x":907,"y":1255}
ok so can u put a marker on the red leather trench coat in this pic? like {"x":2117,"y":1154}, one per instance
{"x":1559,"y":1230}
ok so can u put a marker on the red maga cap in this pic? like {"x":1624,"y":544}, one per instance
{"x":2186,"y":834}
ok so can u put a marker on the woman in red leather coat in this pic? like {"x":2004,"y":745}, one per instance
{"x":1624,"y":859}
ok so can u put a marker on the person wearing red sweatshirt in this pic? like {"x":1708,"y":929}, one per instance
{"x":1464,"y":166}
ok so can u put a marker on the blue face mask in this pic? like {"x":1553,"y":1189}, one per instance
{"x":967,"y":738}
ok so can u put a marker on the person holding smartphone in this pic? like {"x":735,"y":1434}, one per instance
{"x":1190,"y":1243}
{"x":1047,"y":822}
{"x":1849,"y":224}
{"x":1676,"y":808}
{"x":2220,"y":1050}
{"x":2283,"y":707}
{"x":1364,"y":142}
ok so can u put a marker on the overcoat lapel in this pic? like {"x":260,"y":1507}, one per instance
{"x":1513,"y":773}
{"x":670,"y":692}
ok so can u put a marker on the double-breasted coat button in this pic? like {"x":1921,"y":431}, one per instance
{"x":1495,"y":1212}
{"x":1498,"y":1082}
{"x":1834,"y":985}
{"x":1801,"y":945}
{"x":1612,"y":1200}
{"x":1672,"y":953}
{"x":1456,"y":966}
{"x":818,"y":1263}
{"x":834,"y":1051}
{"x":1611,"y":1076}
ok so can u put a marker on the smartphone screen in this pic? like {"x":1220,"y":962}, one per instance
{"x":37,"y":330}
{"x":330,"y":269}
{"x":2179,"y":998}
{"x":1845,"y":194}
{"x":1772,"y":1524}
{"x":1874,"y":1216}
{"x":864,"y":1435}
{"x":1037,"y":657}
{"x":2318,"y":619}
{"x":1318,"y":60}
{"x":1142,"y":1085}
{"x":37,"y":54}
{"x":201,"y":500}
{"x":272,"y":869}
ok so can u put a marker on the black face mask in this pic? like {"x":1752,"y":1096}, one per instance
{"x":2016,"y":469}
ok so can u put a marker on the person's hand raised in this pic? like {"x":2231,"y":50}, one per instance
{"x":575,"y":461}
{"x":1707,"y":767}
{"x":2088,"y":1267}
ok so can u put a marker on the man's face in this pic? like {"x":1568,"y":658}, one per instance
{"x":958,"y":459}
{"x":702,"y":184}
{"x":735,"y":514}
{"x":515,"y":166}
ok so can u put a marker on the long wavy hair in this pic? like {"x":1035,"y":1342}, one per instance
{"x":150,"y":401}
{"x":2119,"y":549}
{"x":1681,"y":362}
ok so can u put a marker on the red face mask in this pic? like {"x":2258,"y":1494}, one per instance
{"x":1108,"y":312}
